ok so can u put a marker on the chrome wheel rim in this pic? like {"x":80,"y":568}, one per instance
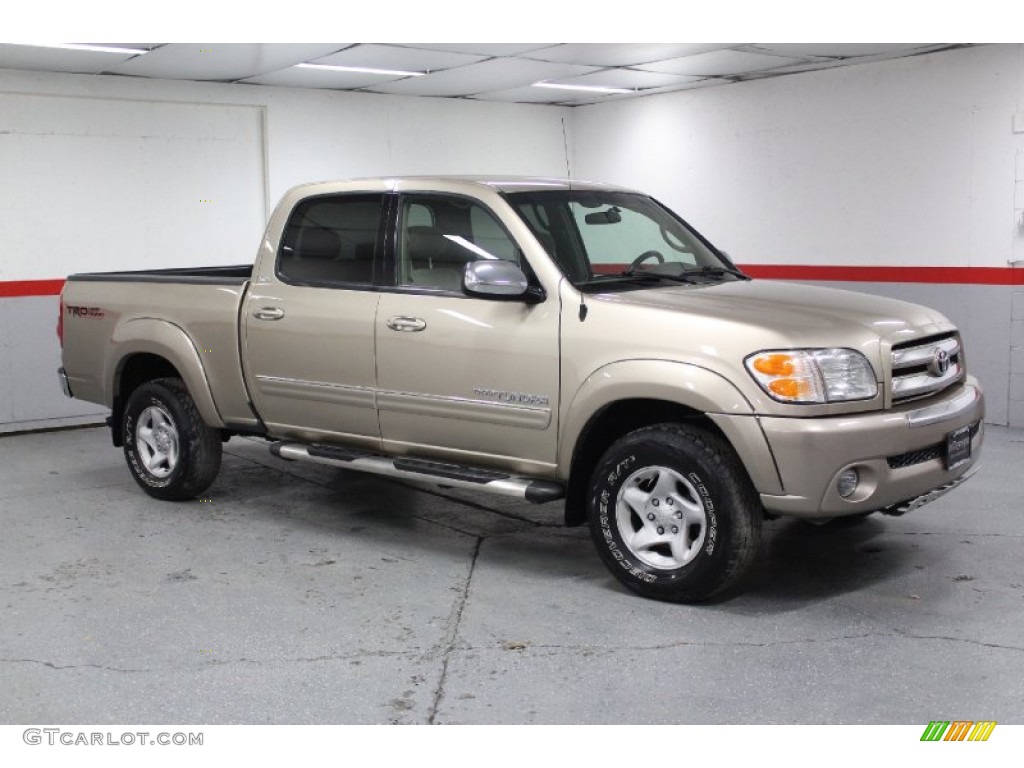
{"x":156,"y":440}
{"x":661,"y":517}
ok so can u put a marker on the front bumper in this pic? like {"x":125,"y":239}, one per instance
{"x":899,"y":456}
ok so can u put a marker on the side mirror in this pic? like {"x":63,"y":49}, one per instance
{"x":494,"y":279}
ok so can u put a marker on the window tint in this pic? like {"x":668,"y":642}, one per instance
{"x":331,"y":240}
{"x":433,"y":255}
{"x":631,"y":234}
{"x":594,"y":236}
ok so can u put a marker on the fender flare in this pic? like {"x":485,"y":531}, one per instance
{"x":152,"y":336}
{"x":685,"y":384}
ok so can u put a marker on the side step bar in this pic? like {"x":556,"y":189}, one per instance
{"x":422,"y":470}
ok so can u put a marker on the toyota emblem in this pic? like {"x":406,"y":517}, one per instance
{"x":940,"y":363}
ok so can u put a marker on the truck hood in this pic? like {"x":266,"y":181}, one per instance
{"x":797,"y":311}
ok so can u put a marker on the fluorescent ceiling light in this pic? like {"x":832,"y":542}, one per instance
{"x":364,"y":70}
{"x":590,"y":88}
{"x":86,"y":47}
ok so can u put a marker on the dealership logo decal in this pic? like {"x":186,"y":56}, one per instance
{"x":958,"y":730}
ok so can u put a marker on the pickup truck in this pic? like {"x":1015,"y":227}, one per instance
{"x":538,"y":338}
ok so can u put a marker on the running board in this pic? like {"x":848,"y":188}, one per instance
{"x":424,"y":471}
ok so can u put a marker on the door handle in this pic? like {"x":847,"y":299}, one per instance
{"x":402,"y":323}
{"x":268,"y":313}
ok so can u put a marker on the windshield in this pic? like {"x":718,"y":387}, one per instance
{"x":599,"y":238}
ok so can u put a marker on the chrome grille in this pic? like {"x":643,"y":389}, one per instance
{"x":924,"y":367}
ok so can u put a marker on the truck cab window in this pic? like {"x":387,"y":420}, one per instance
{"x":440,"y":234}
{"x":331,"y":240}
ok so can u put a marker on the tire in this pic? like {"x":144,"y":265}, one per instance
{"x":673,"y":514}
{"x":171,"y":452}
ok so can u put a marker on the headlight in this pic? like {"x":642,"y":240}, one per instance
{"x":813,"y":375}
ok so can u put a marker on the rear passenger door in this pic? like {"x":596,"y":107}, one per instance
{"x":309,"y":322}
{"x":461,"y":378}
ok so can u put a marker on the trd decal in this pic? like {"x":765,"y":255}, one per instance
{"x":93,"y":312}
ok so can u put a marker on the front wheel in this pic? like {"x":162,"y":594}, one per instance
{"x":673,"y":513}
{"x":171,"y":452}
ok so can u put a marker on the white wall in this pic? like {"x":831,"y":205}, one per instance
{"x":911,"y":162}
{"x":100,"y":173}
{"x":308,"y":135}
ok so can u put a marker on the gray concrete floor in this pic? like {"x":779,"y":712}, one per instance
{"x":301,"y":594}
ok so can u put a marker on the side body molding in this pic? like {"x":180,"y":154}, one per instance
{"x":147,"y":335}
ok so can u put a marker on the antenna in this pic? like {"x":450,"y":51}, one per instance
{"x":565,"y":148}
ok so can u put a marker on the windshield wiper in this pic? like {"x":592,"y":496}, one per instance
{"x":643,"y":274}
{"x":716,"y":271}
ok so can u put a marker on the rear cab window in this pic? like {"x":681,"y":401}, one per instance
{"x":332,"y":240}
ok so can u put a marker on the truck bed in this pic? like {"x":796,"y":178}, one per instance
{"x":109,"y":317}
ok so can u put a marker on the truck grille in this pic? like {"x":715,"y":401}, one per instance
{"x":924,"y":367}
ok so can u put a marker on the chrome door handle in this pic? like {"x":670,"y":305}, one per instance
{"x":402,"y":323}
{"x":268,"y":313}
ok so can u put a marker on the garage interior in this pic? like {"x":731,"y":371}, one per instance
{"x":305,"y":594}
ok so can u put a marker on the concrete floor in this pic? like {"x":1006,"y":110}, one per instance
{"x":302,"y":594}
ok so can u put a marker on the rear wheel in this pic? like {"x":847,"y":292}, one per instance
{"x":673,"y":514}
{"x":171,"y":452}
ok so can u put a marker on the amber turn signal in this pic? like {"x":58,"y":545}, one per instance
{"x":775,"y":365}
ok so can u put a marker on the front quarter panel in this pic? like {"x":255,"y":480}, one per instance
{"x":688,"y":385}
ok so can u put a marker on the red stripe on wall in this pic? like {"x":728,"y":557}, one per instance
{"x":822,"y":273}
{"x":943,"y":275}
{"x":11,"y":288}
{"x":829,"y":273}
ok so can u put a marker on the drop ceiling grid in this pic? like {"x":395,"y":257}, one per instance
{"x":481,"y":71}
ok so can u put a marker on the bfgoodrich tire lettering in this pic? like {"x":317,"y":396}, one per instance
{"x":673,"y":513}
{"x":171,"y":452}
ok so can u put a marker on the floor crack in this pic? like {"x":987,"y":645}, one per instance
{"x":448,"y":644}
{"x":51,"y":665}
{"x":951,"y":639}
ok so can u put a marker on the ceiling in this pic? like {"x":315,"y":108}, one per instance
{"x":507,"y":72}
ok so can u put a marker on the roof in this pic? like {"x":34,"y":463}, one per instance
{"x":498,"y":182}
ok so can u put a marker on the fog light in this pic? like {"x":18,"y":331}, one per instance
{"x":847,"y":482}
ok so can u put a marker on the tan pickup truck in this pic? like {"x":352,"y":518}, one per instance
{"x":536,"y":338}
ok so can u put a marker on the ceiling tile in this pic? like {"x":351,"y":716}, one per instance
{"x":720,"y":63}
{"x":627,"y":78}
{"x":130,"y":45}
{"x":302,"y":77}
{"x":584,"y":99}
{"x":491,"y":75}
{"x":60,"y":59}
{"x":221,"y":61}
{"x":481,"y":49}
{"x":839,"y":49}
{"x":396,"y":57}
{"x":525,"y":95}
{"x":622,"y":54}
